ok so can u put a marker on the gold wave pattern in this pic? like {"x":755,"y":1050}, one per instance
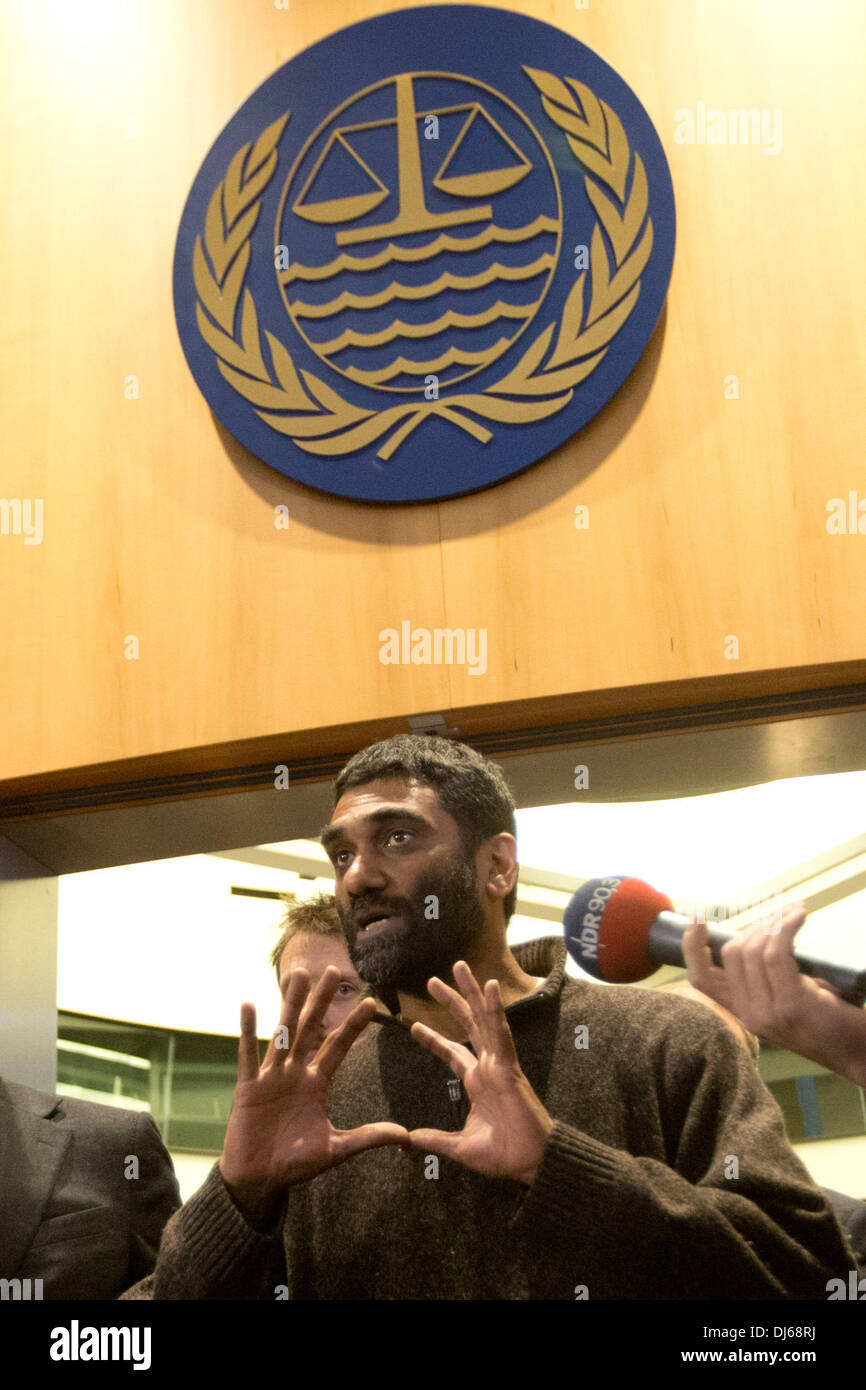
{"x":446,"y":281}
{"x":450,"y":319}
{"x":436,"y":364}
{"x":419,"y":253}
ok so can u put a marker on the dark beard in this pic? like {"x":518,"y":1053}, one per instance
{"x":406,"y":959}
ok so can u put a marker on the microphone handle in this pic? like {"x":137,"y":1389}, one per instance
{"x":666,"y":948}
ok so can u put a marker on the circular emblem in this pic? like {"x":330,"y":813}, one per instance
{"x":413,"y":263}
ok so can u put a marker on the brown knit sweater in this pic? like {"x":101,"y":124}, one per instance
{"x":667,"y":1175}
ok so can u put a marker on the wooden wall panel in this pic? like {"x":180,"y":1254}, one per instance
{"x":707,"y":516}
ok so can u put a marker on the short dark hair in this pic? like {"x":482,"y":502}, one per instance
{"x":471,"y":788}
{"x":317,"y":916}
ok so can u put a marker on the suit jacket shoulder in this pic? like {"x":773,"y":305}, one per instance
{"x":86,"y":1191}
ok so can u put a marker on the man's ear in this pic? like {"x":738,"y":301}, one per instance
{"x":500,"y":864}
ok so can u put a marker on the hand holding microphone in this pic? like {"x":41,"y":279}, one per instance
{"x":619,"y":929}
{"x":760,"y":983}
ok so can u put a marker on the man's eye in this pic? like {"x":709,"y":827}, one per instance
{"x":340,"y":857}
{"x":345,"y":989}
{"x":407,"y":833}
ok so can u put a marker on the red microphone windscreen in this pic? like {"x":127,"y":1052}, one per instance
{"x":607,"y":927}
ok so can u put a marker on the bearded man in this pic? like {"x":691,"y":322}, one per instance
{"x":490,"y":1129}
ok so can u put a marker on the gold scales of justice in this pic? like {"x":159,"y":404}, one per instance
{"x":413,"y":214}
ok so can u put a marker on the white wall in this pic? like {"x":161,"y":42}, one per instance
{"x":191,"y":1170}
{"x":28,"y":943}
{"x":165,"y":943}
{"x":836,"y":1163}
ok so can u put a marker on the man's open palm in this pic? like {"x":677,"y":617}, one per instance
{"x":507,"y":1128}
{"x":278,"y":1132}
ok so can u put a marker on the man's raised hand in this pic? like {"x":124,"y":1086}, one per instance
{"x":760,"y":983}
{"x":278,"y":1133}
{"x":507,"y":1128}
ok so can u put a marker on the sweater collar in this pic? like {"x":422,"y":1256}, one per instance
{"x":545,"y":956}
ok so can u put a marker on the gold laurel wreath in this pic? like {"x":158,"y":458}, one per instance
{"x":330,"y":425}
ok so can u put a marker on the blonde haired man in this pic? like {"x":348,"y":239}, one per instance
{"x":311,"y":939}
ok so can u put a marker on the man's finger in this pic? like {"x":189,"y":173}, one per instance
{"x":293,"y":1001}
{"x":783,"y":925}
{"x":826,"y":985}
{"x":477,"y":1001}
{"x":503,"y":1042}
{"x":346,"y":1142}
{"x":458,"y":1007}
{"x":760,"y":963}
{"x":459,"y":1058}
{"x":750,"y":989}
{"x":703,"y":973}
{"x":248,"y":1045}
{"x":437,"y":1141}
{"x":338,"y":1042}
{"x":306,"y":1039}
{"x":772,"y":955}
{"x":778,"y":949}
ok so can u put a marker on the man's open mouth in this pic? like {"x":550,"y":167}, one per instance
{"x":376,"y":923}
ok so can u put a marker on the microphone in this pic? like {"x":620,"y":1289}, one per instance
{"x":620,"y":930}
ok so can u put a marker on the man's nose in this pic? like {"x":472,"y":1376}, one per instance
{"x":363,"y":874}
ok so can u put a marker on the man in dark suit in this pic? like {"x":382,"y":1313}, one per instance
{"x":85,"y":1191}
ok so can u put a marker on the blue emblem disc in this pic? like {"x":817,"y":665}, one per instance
{"x":424,"y":253}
